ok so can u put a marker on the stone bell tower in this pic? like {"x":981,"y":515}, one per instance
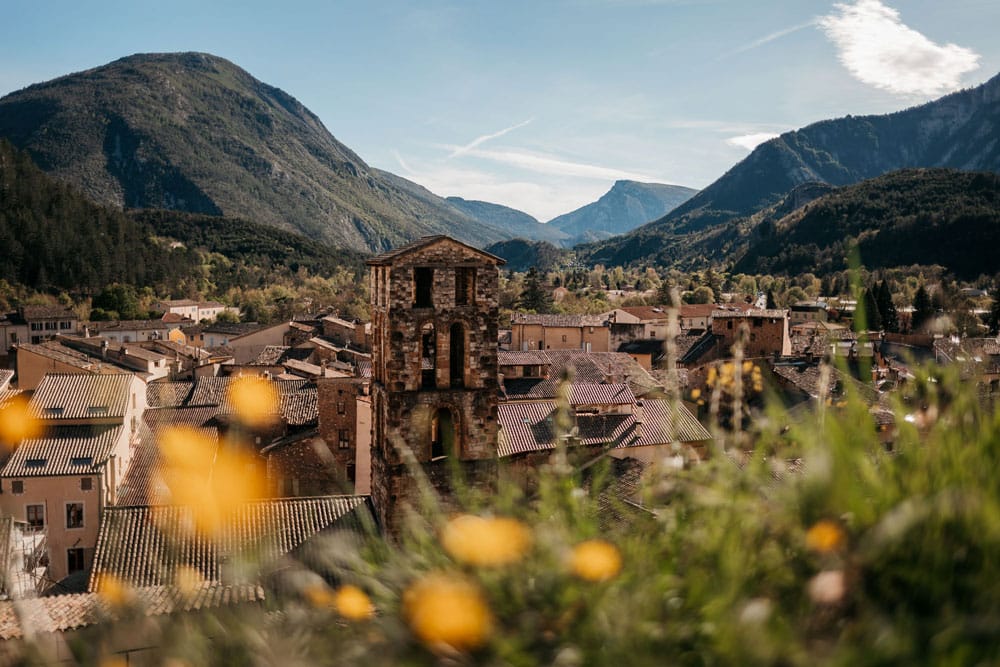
{"x":434,"y":370}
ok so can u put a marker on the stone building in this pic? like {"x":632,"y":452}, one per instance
{"x":434,"y":369}
{"x":764,"y":332}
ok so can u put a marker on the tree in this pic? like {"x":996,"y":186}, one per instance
{"x":121,"y":299}
{"x":771,"y":304}
{"x":994,"y":317}
{"x":535,"y":297}
{"x":873,"y":322}
{"x":923,"y":309}
{"x":665,"y":294}
{"x":886,"y":308}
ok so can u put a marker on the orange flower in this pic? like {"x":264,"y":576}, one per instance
{"x":17,"y":423}
{"x":353,"y":603}
{"x":486,"y":541}
{"x":825,"y":536}
{"x":254,"y":400}
{"x":448,"y":610}
{"x":114,"y":591}
{"x":596,"y":560}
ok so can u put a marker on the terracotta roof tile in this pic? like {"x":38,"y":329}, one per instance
{"x":65,"y":450}
{"x":549,"y":320}
{"x":78,"y":396}
{"x":426,"y":241}
{"x":59,"y":613}
{"x":144,"y":546}
{"x":167,"y":394}
{"x":523,"y":358}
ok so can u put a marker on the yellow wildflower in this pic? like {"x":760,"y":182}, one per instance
{"x":486,"y":541}
{"x":114,"y":591}
{"x":353,"y":603}
{"x":17,"y":423}
{"x":712,"y":374}
{"x":254,"y":401}
{"x":188,"y":580}
{"x":448,"y":610}
{"x":747,"y":366}
{"x":695,"y":394}
{"x":825,"y":536}
{"x":596,"y":560}
{"x":214,"y":484}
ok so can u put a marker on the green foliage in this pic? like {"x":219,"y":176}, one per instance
{"x":822,"y":548}
{"x":121,"y":300}
{"x":535,"y":297}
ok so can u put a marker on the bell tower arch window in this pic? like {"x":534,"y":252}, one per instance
{"x":428,"y":356}
{"x":443,"y":440}
{"x":423,"y":283}
{"x":456,"y":361}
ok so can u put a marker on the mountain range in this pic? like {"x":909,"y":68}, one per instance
{"x":960,"y":131}
{"x":194,"y":132}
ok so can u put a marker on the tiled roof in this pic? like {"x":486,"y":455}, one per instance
{"x":300,"y":408}
{"x":364,"y":368}
{"x":167,"y":394}
{"x":582,"y":368}
{"x":65,"y":450}
{"x":94,"y":346}
{"x":78,"y":396}
{"x":523,"y":358}
{"x":391,"y":255}
{"x":141,"y":485}
{"x":212,"y":390}
{"x":59,"y":613}
{"x":173,"y":303}
{"x":144,"y":546}
{"x":175,"y":318}
{"x":547,"y":320}
{"x":808,"y":377}
{"x":333,"y":319}
{"x":235,"y":329}
{"x":270,"y":355}
{"x":600,"y":394}
{"x":651,"y":346}
{"x":527,"y":427}
{"x":125,"y":325}
{"x":7,"y":394}
{"x":5,"y":377}
{"x":48,"y":313}
{"x":647,"y":313}
{"x":58,"y":352}
{"x":724,"y":314}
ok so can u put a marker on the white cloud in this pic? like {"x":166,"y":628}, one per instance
{"x":547,"y":164}
{"x":486,"y":137}
{"x":751,"y":141}
{"x":543,"y":198}
{"x":878,"y":49}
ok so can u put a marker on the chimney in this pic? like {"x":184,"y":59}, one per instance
{"x":639,"y":412}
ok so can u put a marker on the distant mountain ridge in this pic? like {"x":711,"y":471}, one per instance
{"x":194,"y":132}
{"x":627,"y":205}
{"x":960,"y":131}
{"x":518,"y":223}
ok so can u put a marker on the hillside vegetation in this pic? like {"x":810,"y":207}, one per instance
{"x":924,"y":216}
{"x":194,"y":132}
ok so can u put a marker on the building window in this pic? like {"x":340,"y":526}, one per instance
{"x":86,"y":483}
{"x":35,"y":515}
{"x":423,"y":282}
{"x":428,"y":356}
{"x":36,"y":326}
{"x":50,"y":326}
{"x":74,"y":560}
{"x":344,"y":438}
{"x":564,"y":338}
{"x":17,"y":486}
{"x":457,"y":355}
{"x":465,"y":286}
{"x":74,"y":515}
{"x":341,"y":408}
{"x":442,"y":434}
{"x":65,"y":325}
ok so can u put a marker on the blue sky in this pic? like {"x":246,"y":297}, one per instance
{"x":542,"y":105}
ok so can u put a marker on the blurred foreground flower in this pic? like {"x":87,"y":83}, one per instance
{"x":828,"y":587}
{"x":254,"y":401}
{"x":16,"y":423}
{"x":487,"y":542}
{"x":213,"y":483}
{"x":349,"y":601}
{"x":596,"y":560}
{"x":825,"y":536}
{"x":449,"y":610}
{"x":115,"y":592}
